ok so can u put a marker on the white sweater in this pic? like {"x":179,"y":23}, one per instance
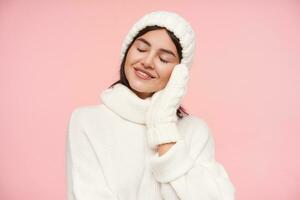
{"x":108,"y":156}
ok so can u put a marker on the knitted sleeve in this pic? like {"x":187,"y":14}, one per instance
{"x":84,"y":175}
{"x":189,"y":171}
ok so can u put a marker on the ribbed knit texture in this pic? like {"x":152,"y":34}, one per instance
{"x":109,"y":158}
{"x":173,"y":22}
{"x":161,"y":118}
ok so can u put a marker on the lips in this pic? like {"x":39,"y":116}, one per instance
{"x":142,"y":75}
{"x":144,"y":71}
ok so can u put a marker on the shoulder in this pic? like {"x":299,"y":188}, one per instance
{"x":85,"y":115}
{"x":93,"y":119}
{"x":88,"y":111}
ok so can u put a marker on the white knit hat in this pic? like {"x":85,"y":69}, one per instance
{"x":173,"y":22}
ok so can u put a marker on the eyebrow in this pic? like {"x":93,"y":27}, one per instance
{"x":161,"y":49}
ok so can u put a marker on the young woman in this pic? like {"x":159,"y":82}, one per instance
{"x":140,"y":143}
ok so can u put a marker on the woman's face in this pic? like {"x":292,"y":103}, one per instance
{"x":155,"y":54}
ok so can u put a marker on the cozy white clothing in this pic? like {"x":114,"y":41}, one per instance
{"x":108,"y":156}
{"x":173,"y":22}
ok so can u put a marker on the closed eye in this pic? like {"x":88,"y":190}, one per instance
{"x":140,"y":50}
{"x":162,"y":60}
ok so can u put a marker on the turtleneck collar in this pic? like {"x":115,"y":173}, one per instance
{"x":124,"y":102}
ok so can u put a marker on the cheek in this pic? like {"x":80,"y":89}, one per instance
{"x":165,"y":73}
{"x":129,"y":61}
{"x":132,"y":56}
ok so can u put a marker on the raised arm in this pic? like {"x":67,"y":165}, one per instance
{"x":189,"y":171}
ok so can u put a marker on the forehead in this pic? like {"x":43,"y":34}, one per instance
{"x":159,"y":38}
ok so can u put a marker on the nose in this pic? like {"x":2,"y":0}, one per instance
{"x":148,"y":60}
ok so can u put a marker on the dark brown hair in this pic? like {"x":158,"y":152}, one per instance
{"x":123,"y":80}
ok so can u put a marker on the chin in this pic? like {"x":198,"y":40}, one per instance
{"x":141,"y":89}
{"x":139,"y":86}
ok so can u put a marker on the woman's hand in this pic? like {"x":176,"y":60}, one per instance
{"x":161,"y":118}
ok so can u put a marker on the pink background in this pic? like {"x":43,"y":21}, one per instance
{"x":244,"y":82}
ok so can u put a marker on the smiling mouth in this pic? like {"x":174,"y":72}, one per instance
{"x":142,"y":75}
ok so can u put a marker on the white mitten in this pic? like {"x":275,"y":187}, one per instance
{"x":161,"y":118}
